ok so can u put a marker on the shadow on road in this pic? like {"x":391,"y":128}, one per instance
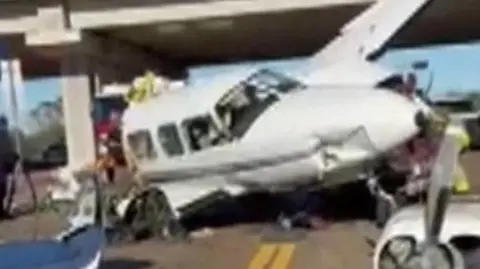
{"x":345,"y":203}
{"x":126,"y":264}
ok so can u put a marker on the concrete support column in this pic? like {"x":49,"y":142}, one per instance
{"x":77,"y":84}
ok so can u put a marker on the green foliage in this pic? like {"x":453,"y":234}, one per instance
{"x":34,"y":144}
{"x":47,"y":116}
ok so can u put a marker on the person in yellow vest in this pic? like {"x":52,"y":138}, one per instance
{"x":442,"y":124}
{"x":461,"y":181}
{"x":142,"y":89}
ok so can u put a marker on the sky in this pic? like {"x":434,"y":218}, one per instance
{"x":463,"y":77}
{"x":453,"y":68}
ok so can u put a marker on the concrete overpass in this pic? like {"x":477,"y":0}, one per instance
{"x":191,"y":31}
{"x":113,"y":40}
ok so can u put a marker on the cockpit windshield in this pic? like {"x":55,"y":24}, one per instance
{"x":268,"y":80}
{"x":242,"y":105}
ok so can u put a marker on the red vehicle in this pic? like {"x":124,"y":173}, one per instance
{"x":107,"y":111}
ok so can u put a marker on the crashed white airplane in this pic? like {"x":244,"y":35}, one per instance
{"x":271,"y":132}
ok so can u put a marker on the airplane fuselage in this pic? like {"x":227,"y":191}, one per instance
{"x":291,"y":141}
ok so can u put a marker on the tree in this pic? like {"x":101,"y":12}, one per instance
{"x":49,"y":129}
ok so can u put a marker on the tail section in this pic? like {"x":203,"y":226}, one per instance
{"x":360,"y":41}
{"x":368,"y":33}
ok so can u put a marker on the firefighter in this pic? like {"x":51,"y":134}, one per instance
{"x":461,"y":182}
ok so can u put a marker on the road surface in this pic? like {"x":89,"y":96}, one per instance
{"x":240,"y":246}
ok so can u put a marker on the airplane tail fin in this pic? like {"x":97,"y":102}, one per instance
{"x":368,"y":33}
{"x":361,"y":40}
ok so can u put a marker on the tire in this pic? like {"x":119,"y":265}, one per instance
{"x":384,"y":210}
{"x":150,"y":215}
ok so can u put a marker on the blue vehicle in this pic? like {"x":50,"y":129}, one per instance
{"x":77,"y":248}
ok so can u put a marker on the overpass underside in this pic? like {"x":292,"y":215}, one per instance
{"x":95,"y":42}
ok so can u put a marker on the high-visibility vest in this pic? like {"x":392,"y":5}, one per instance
{"x":461,"y":184}
{"x":144,"y":91}
{"x":461,"y":135}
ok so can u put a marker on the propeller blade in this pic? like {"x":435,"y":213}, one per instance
{"x":440,"y":185}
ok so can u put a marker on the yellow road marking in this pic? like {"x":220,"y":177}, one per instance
{"x":284,"y":256}
{"x":272,"y":256}
{"x":263,"y":256}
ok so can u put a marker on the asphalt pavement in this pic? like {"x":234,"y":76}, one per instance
{"x":244,"y":241}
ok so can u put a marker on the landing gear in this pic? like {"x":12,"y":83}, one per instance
{"x":384,"y":208}
{"x":150,"y":215}
{"x":387,"y":202}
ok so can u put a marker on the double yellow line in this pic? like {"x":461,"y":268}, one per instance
{"x":273,"y":256}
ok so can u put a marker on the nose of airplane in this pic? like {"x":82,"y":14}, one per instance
{"x":421,"y":119}
{"x":428,"y":119}
{"x":398,"y":119}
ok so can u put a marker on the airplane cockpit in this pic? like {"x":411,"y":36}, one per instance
{"x":245,"y":102}
{"x":236,"y":111}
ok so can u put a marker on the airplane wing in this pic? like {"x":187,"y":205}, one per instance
{"x":361,"y":40}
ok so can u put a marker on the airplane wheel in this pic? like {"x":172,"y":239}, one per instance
{"x":151,"y":215}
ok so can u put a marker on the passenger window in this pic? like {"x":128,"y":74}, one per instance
{"x":170,"y":140}
{"x":203,"y":133}
{"x":141,"y":144}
